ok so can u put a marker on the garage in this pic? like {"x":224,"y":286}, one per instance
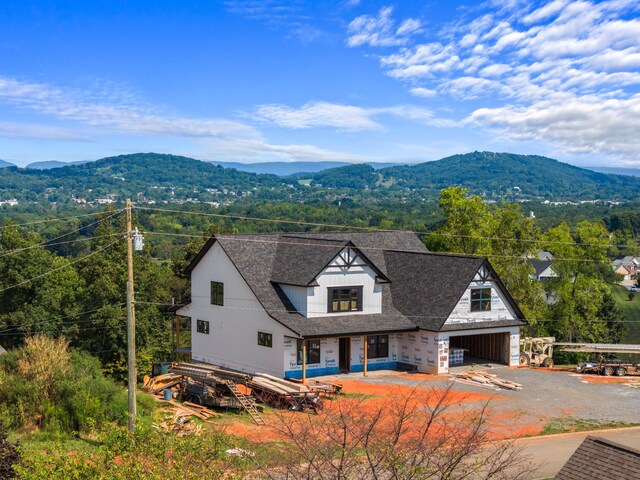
{"x":493,"y":347}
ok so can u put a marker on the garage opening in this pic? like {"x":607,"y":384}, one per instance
{"x":493,"y":347}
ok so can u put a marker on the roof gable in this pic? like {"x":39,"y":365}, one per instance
{"x":300,"y":260}
{"x":426,"y":287}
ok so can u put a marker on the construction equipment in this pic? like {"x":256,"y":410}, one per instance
{"x":537,"y":351}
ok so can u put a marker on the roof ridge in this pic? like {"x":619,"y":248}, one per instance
{"x":437,"y":254}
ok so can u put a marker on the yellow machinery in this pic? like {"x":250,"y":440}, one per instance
{"x":537,"y":351}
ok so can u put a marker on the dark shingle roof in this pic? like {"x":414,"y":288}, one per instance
{"x":597,"y":457}
{"x":424,"y":287}
{"x":539,"y":265}
{"x":427,"y":287}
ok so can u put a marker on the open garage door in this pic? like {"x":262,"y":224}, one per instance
{"x":488,"y":346}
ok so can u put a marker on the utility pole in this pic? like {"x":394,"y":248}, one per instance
{"x":131,"y":324}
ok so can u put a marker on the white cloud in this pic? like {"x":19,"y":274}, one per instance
{"x":423,"y":92}
{"x":121,"y":118}
{"x":380,"y":31}
{"x":343,"y":117}
{"x":28,"y":130}
{"x":571,"y":124}
{"x":531,"y":61}
{"x":318,"y":114}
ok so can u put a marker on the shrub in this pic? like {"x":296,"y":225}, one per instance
{"x":9,"y":456}
{"x":46,"y":386}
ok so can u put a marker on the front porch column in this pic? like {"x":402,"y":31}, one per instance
{"x":365,"y":356}
{"x":304,"y":361}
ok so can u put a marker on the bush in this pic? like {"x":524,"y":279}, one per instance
{"x":46,"y":386}
{"x":9,"y":456}
{"x":148,"y":454}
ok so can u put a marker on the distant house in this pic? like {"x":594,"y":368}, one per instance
{"x":542,"y":270}
{"x":599,"y":458}
{"x":620,"y":270}
{"x":631,"y":264}
{"x":260,"y":302}
{"x":545,"y":256}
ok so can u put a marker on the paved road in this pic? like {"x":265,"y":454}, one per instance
{"x":550,"y":453}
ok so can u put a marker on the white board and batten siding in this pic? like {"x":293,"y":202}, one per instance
{"x":233,"y":328}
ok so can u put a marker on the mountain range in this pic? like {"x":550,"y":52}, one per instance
{"x":161,"y":177}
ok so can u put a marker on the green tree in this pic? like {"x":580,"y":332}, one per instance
{"x":581,"y":293}
{"x":39,"y":290}
{"x":105,"y":276}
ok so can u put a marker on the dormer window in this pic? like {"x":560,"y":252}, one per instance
{"x":344,"y":299}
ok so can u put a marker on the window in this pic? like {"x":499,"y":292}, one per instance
{"x":313,"y":351}
{"x":377,"y":346}
{"x":203,"y":326}
{"x":265,"y":339}
{"x":217,"y":293}
{"x":345,"y":299}
{"x":480,"y":299}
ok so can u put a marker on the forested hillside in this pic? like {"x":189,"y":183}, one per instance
{"x":493,"y":175}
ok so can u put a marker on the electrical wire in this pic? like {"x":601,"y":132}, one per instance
{"x":251,"y":238}
{"x":58,"y":268}
{"x":46,"y":243}
{"x":372,"y":229}
{"x":60,"y":219}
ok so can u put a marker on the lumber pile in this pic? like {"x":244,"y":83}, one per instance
{"x":159,"y":383}
{"x":180,"y":418}
{"x":486,"y":380}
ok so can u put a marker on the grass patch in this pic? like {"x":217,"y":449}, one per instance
{"x":631,"y":309}
{"x":570,"y":425}
{"x":364,"y":396}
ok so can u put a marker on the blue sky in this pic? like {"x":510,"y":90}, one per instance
{"x":333,"y":80}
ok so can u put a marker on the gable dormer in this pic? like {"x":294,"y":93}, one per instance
{"x":347,"y":284}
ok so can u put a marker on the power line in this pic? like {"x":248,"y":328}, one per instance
{"x":46,"y":243}
{"x":60,"y":219}
{"x":435,"y":317}
{"x":52,"y":320}
{"x":58,"y":268}
{"x":373,"y":229}
{"x":248,"y":238}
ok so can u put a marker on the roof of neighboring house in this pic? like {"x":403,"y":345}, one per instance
{"x":597,"y":457}
{"x":539,"y":265}
{"x":419,"y":289}
{"x":542,"y":255}
{"x":628,"y":260}
{"x":621,"y":269}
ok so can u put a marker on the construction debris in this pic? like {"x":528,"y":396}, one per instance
{"x":486,"y":380}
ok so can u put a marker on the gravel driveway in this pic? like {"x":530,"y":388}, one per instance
{"x":546,"y":396}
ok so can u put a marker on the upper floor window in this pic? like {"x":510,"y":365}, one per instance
{"x":217,"y":293}
{"x":344,"y":299}
{"x":480,"y":299}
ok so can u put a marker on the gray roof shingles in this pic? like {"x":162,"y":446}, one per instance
{"x":599,"y":458}
{"x":423,"y":288}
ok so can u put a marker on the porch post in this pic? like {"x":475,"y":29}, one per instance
{"x":304,"y":361}
{"x":365,"y":355}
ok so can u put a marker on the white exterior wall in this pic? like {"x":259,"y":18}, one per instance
{"x":499,"y":310}
{"x":354,"y":277}
{"x":297,"y":296}
{"x":329,"y":351}
{"x":429,"y":351}
{"x":233,"y":328}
